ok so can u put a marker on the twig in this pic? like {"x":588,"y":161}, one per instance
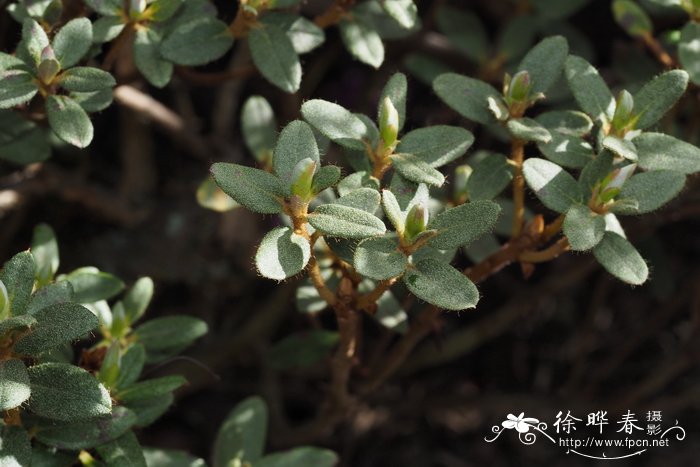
{"x":548,"y":254}
{"x":334,"y":13}
{"x":658,"y":51}
{"x":517,"y":156}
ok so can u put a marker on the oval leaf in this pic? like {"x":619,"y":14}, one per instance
{"x":441,"y":285}
{"x":255,"y":189}
{"x":555,"y":187}
{"x":282,"y":254}
{"x":621,"y":259}
{"x":463,"y":224}
{"x":379,"y":258}
{"x":583,"y":228}
{"x":346,"y":222}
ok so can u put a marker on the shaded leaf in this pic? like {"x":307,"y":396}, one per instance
{"x":282,"y":254}
{"x":275,"y":57}
{"x":583,"y":228}
{"x":255,"y":189}
{"x":553,"y":185}
{"x":441,"y":285}
{"x":379,"y":258}
{"x":621,"y":259}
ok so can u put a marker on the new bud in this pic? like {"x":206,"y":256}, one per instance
{"x":519,"y":87}
{"x":302,"y":178}
{"x":389,"y":123}
{"x":4,"y":300}
{"x":49,"y":66}
{"x":416,"y":220}
{"x":136,"y":7}
{"x":624,"y":116}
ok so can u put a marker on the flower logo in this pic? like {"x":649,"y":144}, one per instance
{"x":520,"y":423}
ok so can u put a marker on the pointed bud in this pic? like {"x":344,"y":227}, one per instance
{"x":302,"y":178}
{"x":389,"y":123}
{"x":621,"y":175}
{"x":462,"y":174}
{"x":624,"y":108}
{"x":136,"y":7}
{"x":4,"y":301}
{"x":416,"y":221}
{"x":519,"y":87}
{"x":109,"y":371}
{"x":49,"y":66}
{"x":48,"y":54}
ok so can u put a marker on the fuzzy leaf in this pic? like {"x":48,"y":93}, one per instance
{"x":105,"y":7}
{"x":304,"y":35}
{"x":621,"y":259}
{"x":69,"y":121}
{"x":45,"y":253}
{"x":589,"y":89}
{"x":567,"y":150}
{"x":241,"y":437}
{"x":65,"y":392}
{"x":325,"y":177}
{"x":468,"y":96}
{"x":583,"y":228}
{"x":282,"y":254}
{"x":106,"y":29}
{"x":393,"y":210}
{"x":57,"y":324}
{"x":14,"y":384}
{"x":86,"y":79}
{"x":255,"y":189}
{"x":34,"y":41}
{"x":148,"y":59}
{"x":275,"y":57}
{"x":18,"y":276}
{"x":124,"y":451}
{"x":171,"y":458}
{"x":463,"y":224}
{"x":489,"y":177}
{"x":163,"y":337}
{"x":197,"y":42}
{"x":622,"y":147}
{"x":337,"y":123}
{"x":436,"y":145}
{"x":72,"y":42}
{"x":15,"y":447}
{"x":295,"y":143}
{"x":259,"y":127}
{"x":441,"y":285}
{"x":343,"y":221}
{"x":658,"y":96}
{"x":379,"y":258}
{"x":657,"y":151}
{"x":161,"y":10}
{"x":91,"y":285}
{"x":89,"y":433}
{"x":16,"y":324}
{"x":363,"y":41}
{"x":465,"y":31}
{"x":545,"y":62}
{"x":150,"y":389}
{"x":366,"y":199}
{"x":300,"y":457}
{"x":553,"y":185}
{"x":566,"y":122}
{"x":16,"y":87}
{"x":403,"y":11}
{"x":652,"y":189}
{"x":528,"y":129}
{"x":415,"y":169}
{"x":50,"y":294}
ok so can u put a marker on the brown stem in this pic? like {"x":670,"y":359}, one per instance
{"x":244,"y":20}
{"x":334,"y":13}
{"x":517,"y":156}
{"x":547,"y":254}
{"x":123,"y":39}
{"x":658,"y":51}
{"x":317,"y":279}
{"x":369,"y":300}
{"x":344,"y":358}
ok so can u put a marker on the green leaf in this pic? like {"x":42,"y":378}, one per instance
{"x":658,"y":96}
{"x":380,"y":258}
{"x":282,"y":254}
{"x":148,"y":59}
{"x":517,"y":36}
{"x":149,"y":410}
{"x":17,"y":88}
{"x":91,"y":285}
{"x":441,"y":285}
{"x":465,"y":31}
{"x":304,"y":35}
{"x":463,"y":224}
{"x":583,"y":228}
{"x":622,"y":147}
{"x":489,"y":177}
{"x":65,"y":392}
{"x":553,"y":185}
{"x":69,"y":121}
{"x":255,"y":189}
{"x":57,"y":324}
{"x":163,"y":337}
{"x":545,"y":62}
{"x":621,"y":259}
{"x":343,"y":221}
{"x":197,"y":42}
{"x":403,"y":11}
{"x":259,"y":127}
{"x":300,"y":457}
{"x":241,"y":437}
{"x":657,"y":151}
{"x":124,"y":451}
{"x":72,"y":42}
{"x":86,"y":79}
{"x":50,"y":294}
{"x":18,"y":276}
{"x":45,"y":253}
{"x":106,"y":29}
{"x":150,"y":389}
{"x":632,"y":18}
{"x":14,"y":384}
{"x":567,"y":150}
{"x":362,"y":41}
{"x":366,"y":199}
{"x":325,"y":177}
{"x":689,"y":52}
{"x":15,"y":325}
{"x":424,"y":68}
{"x":357,"y":180}
{"x":415,"y":169}
{"x":15,"y":447}
{"x":87,"y":434}
{"x":595,"y":171}
{"x":295,"y":143}
{"x":437,"y":145}
{"x":22,"y":142}
{"x":93,"y":101}
{"x":132,"y":363}
{"x":161,"y":10}
{"x":589,"y":89}
{"x":468,"y":96}
{"x":652,"y":189}
{"x":275,"y":57}
{"x":395,"y":89}
{"x":34,"y":41}
{"x":566,"y":122}
{"x":302,"y":350}
{"x":336,"y":123}
{"x":393,"y":210}
{"x":170,"y":458}
{"x":105,"y":7}
{"x":558,"y":10}
{"x":528,"y":129}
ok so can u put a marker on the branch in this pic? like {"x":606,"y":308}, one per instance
{"x":658,"y":51}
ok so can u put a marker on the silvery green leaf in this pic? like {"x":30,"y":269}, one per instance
{"x":34,"y":41}
{"x":10,"y":62}
{"x":583,"y":228}
{"x":17,"y":275}
{"x":295,"y":143}
{"x":403,"y":11}
{"x":545,"y":62}
{"x":652,"y":189}
{"x":658,"y":96}
{"x":489,"y":177}
{"x":93,"y":101}
{"x":436,"y":145}
{"x":45,"y":252}
{"x":395,"y":89}
{"x":337,"y":123}
{"x":106,"y":29}
{"x":300,"y":457}
{"x":255,"y":189}
{"x":415,"y":169}
{"x":380,"y":258}
{"x":92,"y":285}
{"x":123,"y":451}
{"x":567,"y":150}
{"x":259,"y":127}
{"x":366,"y":199}
{"x":162,"y":10}
{"x":325,"y":177}
{"x":149,"y":389}
{"x":17,"y":88}
{"x":357,"y":180}
{"x":393,"y":210}
{"x":621,"y":259}
{"x":275,"y":57}
{"x":148,"y":59}
{"x":86,"y":434}
{"x":282,"y":254}
{"x":343,"y":221}
{"x":16,"y":324}
{"x":441,"y":285}
{"x":165,"y":337}
{"x":467,"y":96}
{"x":56,"y":324}
{"x":362,"y":41}
{"x":657,"y":151}
{"x":589,"y":89}
{"x":241,"y":437}
{"x":15,"y":448}
{"x":304,"y":35}
{"x":527,"y":129}
{"x":72,"y":41}
{"x":50,"y":294}
{"x":566,"y":122}
{"x":689,"y":52}
{"x":465,"y":31}
{"x":105,"y":7}
{"x":621,"y":147}
{"x":463,"y":224}
{"x":555,"y":187}
{"x":86,"y":79}
{"x":197,"y":42}
{"x":14,"y":385}
{"x":69,"y":121}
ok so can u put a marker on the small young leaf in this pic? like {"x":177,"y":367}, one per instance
{"x":72,"y":41}
{"x":595,"y":171}
{"x":255,"y":189}
{"x":300,"y":457}
{"x":150,"y":389}
{"x":393,"y":211}
{"x":304,"y":35}
{"x":66,"y":392}
{"x":632,"y":18}
{"x":57,"y":324}
{"x":275,"y":57}
{"x":363,"y":41}
{"x":622,"y":147}
{"x":545,"y":62}
{"x":87,"y":434}
{"x":583,"y":228}
{"x":415,"y":169}
{"x":148,"y":59}
{"x":489,"y":177}
{"x":91,"y":285}
{"x":163,"y":337}
{"x":124,"y":451}
{"x":295,"y":143}
{"x":463,"y":224}
{"x":282,"y":254}
{"x":337,"y":123}
{"x":379,"y":258}
{"x":468,"y":96}
{"x":441,"y":285}
{"x":34,"y":41}
{"x":658,"y":96}
{"x":241,"y":437}
{"x":18,"y":277}
{"x":528,"y":129}
{"x":355,"y":181}
{"x":621,"y":259}
{"x":86,"y":79}
{"x":342,"y":221}
{"x":137,"y":299}
{"x":69,"y":121}
{"x":589,"y":89}
{"x":395,"y":89}
{"x":553,"y":185}
{"x":657,"y":151}
{"x":437,"y":145}
{"x":45,"y":253}
{"x":652,"y":189}
{"x":259,"y":127}
{"x":132,"y":363}
{"x":14,"y":385}
{"x":197,"y":42}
